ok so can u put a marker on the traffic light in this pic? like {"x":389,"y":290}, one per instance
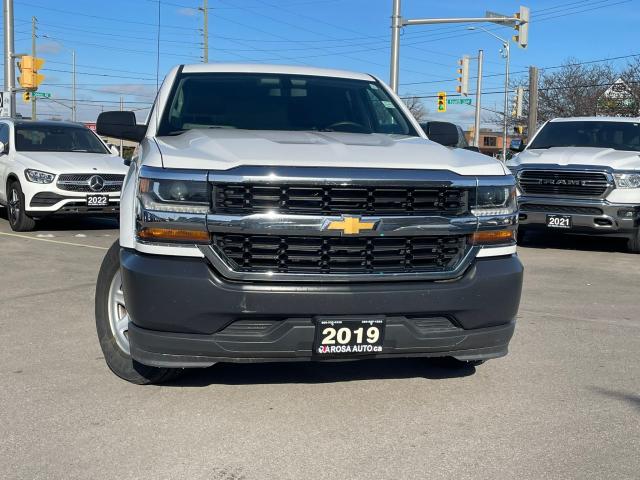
{"x":463,"y":79}
{"x":26,"y":96}
{"x":442,"y":102}
{"x":519,"y":129}
{"x":522,"y":28}
{"x":29,"y":66}
{"x":517,"y":111}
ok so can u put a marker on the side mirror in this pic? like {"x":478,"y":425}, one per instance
{"x":113,"y":149}
{"x":517,"y":146}
{"x":444,"y":133}
{"x":120,"y":125}
{"x":4,"y":148}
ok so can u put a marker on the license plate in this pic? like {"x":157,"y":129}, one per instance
{"x":559,"y":221}
{"x":97,"y":200}
{"x":348,"y":336}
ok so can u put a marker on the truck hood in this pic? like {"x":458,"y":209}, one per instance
{"x":223,"y":149}
{"x":606,"y":157}
{"x":72,"y":162}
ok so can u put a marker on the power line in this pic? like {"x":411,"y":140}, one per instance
{"x":99,"y":17}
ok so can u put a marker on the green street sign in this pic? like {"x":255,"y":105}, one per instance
{"x":42,"y":94}
{"x":459,"y":101}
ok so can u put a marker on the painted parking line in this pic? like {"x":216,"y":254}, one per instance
{"x":53,"y":241}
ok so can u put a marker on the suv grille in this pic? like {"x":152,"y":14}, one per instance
{"x":304,"y":254}
{"x":567,"y":183}
{"x":329,"y":199}
{"x":79,"y":182}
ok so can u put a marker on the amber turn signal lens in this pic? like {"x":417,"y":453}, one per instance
{"x":490,"y":237}
{"x":173,"y":235}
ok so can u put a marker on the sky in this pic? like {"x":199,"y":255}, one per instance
{"x":116,"y":43}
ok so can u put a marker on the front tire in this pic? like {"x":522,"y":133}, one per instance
{"x":112,"y":323}
{"x":19,"y":221}
{"x":634,"y":242}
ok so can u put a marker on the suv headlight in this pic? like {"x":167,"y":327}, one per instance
{"x":627,"y":180}
{"x":173,"y":210}
{"x":491,"y":201}
{"x":38,"y":176}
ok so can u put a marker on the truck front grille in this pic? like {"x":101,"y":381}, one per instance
{"x":326,"y":255}
{"x":329,"y":199}
{"x":79,"y":182}
{"x":563,"y":183}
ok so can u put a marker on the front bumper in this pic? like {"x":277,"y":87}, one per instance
{"x":42,"y":204}
{"x":184,"y":315}
{"x":588,"y":216}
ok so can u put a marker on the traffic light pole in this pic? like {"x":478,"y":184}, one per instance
{"x":9,"y":57}
{"x":397,"y":22}
{"x":476,"y":127}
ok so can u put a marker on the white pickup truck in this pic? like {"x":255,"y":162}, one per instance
{"x":279,"y":213}
{"x":582,"y":175}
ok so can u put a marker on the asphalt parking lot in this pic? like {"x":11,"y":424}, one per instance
{"x":565,"y":403}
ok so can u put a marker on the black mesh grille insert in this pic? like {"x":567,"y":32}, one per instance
{"x":552,"y":182}
{"x":303,"y":254}
{"x":331,"y":199}
{"x":45,"y":199}
{"x":536,"y":207}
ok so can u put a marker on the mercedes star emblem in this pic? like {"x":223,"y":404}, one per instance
{"x":96,"y":183}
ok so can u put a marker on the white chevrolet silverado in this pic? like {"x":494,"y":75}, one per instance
{"x":279,"y":213}
{"x":582,"y":175}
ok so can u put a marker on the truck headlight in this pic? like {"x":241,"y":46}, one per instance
{"x":491,"y":201}
{"x":181,"y":196}
{"x":173,"y":210}
{"x":38,"y":176}
{"x":627,"y":180}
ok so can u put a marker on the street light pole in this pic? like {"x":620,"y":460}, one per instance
{"x":506,"y":52}
{"x":73,"y":86}
{"x":506,"y":100}
{"x":476,"y":130}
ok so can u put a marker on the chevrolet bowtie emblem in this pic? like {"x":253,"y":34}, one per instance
{"x":350,"y":225}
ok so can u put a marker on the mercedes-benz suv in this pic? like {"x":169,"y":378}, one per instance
{"x":50,"y":167}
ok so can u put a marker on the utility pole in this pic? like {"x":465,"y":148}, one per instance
{"x":476,"y":128}
{"x":73,"y":86}
{"x":533,"y":103}
{"x":9,"y":63}
{"x":205,"y":30}
{"x":121,"y":141}
{"x":33,"y":53}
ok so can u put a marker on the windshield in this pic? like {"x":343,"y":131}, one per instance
{"x":281,"y":102}
{"x":615,"y":135}
{"x":57,"y":138}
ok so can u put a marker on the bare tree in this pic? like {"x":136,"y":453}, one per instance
{"x":416,"y":107}
{"x":631,"y":76}
{"x":573,"y":90}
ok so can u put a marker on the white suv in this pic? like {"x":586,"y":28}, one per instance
{"x":51,"y":167}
